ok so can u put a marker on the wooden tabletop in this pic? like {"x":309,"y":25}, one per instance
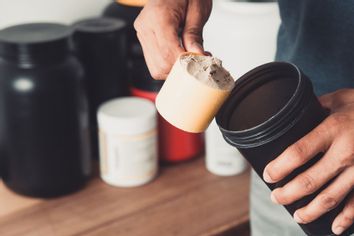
{"x":184,"y":200}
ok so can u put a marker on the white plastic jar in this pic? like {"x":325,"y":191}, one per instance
{"x":128,"y":141}
{"x":248,"y":32}
{"x":222,"y":158}
{"x":243,"y":34}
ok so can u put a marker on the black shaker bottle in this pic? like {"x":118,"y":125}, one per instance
{"x":44,"y":112}
{"x":270,"y":108}
{"x":100,"y":44}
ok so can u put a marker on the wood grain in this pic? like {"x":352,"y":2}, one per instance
{"x":184,"y":200}
{"x":11,"y":202}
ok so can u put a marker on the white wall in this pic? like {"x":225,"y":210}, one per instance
{"x":61,"y":11}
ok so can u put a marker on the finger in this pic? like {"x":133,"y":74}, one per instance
{"x":169,"y":44}
{"x":336,"y":99}
{"x":328,"y":199}
{"x":317,"y":141}
{"x":149,"y":46}
{"x":192,"y":35}
{"x":346,"y":218}
{"x":156,"y":29}
{"x":208,"y":53}
{"x":330,"y":165}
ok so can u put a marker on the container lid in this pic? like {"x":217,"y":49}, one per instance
{"x":127,"y":116}
{"x":35,"y":41}
{"x":133,"y":3}
{"x":99,"y":25}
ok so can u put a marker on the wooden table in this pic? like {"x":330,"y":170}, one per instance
{"x":184,"y":200}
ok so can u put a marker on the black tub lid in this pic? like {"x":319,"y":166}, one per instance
{"x":36,"y":39}
{"x":99,"y":25}
{"x":36,"y":33}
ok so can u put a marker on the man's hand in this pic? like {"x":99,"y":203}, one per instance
{"x":335,"y":137}
{"x":158,"y":27}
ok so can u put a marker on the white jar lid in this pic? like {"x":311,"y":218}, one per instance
{"x":127,"y":116}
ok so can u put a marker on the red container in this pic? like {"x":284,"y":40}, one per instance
{"x":175,"y":145}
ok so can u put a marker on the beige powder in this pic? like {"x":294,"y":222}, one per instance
{"x":208,"y":70}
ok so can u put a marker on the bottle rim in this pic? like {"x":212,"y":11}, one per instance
{"x":277,"y":124}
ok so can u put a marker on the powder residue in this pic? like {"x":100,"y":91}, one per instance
{"x":208,"y":70}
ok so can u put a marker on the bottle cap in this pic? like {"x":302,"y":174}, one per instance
{"x":133,"y":3}
{"x":127,"y":116}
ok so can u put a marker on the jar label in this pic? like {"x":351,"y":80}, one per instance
{"x":128,"y":160}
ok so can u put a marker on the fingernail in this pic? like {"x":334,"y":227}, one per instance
{"x":338,"y":230}
{"x":297,"y":218}
{"x":267,"y":177}
{"x":273,"y":198}
{"x":197,"y":48}
{"x":208,"y":53}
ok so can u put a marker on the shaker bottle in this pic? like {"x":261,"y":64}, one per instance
{"x":270,"y":108}
{"x":44,"y":111}
{"x":100,"y":44}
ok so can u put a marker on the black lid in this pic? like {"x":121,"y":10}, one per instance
{"x":141,"y":78}
{"x":265,"y":103}
{"x":99,"y":25}
{"x":32,"y":43}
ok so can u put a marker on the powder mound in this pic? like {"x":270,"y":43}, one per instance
{"x":208,"y":70}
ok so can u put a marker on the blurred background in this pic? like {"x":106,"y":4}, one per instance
{"x":82,"y":148}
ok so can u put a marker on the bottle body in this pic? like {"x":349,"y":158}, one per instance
{"x":46,"y":127}
{"x":249,"y":28}
{"x":128,"y":141}
{"x":100,"y":44}
{"x":221,"y":158}
{"x":127,"y":14}
{"x":270,"y":108}
{"x":174,"y":145}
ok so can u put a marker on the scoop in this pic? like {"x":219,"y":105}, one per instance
{"x":194,"y":91}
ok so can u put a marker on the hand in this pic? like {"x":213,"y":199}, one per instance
{"x":158,"y":26}
{"x":335,"y":137}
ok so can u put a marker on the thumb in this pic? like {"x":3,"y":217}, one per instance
{"x":193,"y":40}
{"x":192,"y":36}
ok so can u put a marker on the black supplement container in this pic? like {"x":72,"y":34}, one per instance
{"x":100,"y":44}
{"x":270,"y":108}
{"x":128,"y":11}
{"x":43,"y":112}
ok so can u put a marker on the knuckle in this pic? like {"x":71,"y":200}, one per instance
{"x":348,"y":218}
{"x":307,"y":183}
{"x":298,"y":152}
{"x":346,"y":160}
{"x":158,"y":73}
{"x":327,"y":202}
{"x":195,"y":31}
{"x":336,"y":120}
{"x":164,"y":68}
{"x":137,"y":24}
